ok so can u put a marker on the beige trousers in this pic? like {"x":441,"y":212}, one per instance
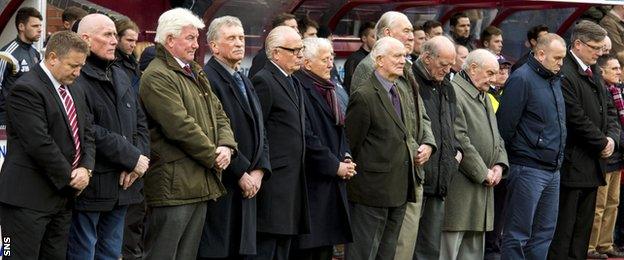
{"x":607,"y":201}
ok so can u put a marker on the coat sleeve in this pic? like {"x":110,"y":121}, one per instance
{"x":472,"y":166}
{"x":26,"y":111}
{"x":263,"y":90}
{"x":224,"y":130}
{"x":357,"y":121}
{"x":317,"y":154}
{"x":578,"y":123}
{"x":141,"y":137}
{"x":512,"y":104}
{"x":164,"y":105}
{"x":428,"y":137}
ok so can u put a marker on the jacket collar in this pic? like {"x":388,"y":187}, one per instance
{"x":23,"y":44}
{"x":97,"y":68}
{"x":539,"y":68}
{"x":464,"y":82}
{"x":171,"y":62}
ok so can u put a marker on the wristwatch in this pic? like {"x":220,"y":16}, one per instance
{"x":89,"y":172}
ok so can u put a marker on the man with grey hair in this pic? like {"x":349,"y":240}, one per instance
{"x":430,"y":71}
{"x":397,"y":25}
{"x":469,"y":205}
{"x":191,"y":140}
{"x":532,"y":98}
{"x":283,"y":200}
{"x":593,"y":133}
{"x":384,"y":148}
{"x":99,"y":215}
{"x":231,"y":219}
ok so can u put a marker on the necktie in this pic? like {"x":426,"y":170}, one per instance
{"x":589,"y":72}
{"x":188,"y":71}
{"x":396,"y":102}
{"x":292,"y":87}
{"x":73,"y":122}
{"x":241,"y":85}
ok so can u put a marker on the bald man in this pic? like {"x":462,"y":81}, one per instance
{"x":430,"y":71}
{"x":122,"y":146}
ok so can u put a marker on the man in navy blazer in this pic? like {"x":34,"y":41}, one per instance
{"x":230,"y":228}
{"x":48,"y":163}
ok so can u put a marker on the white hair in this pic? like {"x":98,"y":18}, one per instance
{"x":383,"y":45}
{"x":276,"y":38}
{"x":479,"y":57}
{"x":217,"y":23}
{"x":172,"y":21}
{"x":387,"y":20}
{"x":314,"y":45}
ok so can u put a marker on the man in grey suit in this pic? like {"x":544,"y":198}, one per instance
{"x":381,"y":139}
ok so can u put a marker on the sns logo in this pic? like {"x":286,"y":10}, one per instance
{"x":6,"y":246}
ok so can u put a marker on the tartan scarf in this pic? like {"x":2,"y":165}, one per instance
{"x":616,"y":92}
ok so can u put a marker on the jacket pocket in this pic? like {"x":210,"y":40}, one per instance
{"x":189,"y":180}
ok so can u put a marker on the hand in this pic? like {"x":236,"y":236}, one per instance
{"x":424,"y":151}
{"x":608,"y":150}
{"x":489,"y":178}
{"x":224,"y":155}
{"x":127,"y":179}
{"x":498,"y":174}
{"x":459,"y":156}
{"x":141,"y":165}
{"x":346,"y":169}
{"x":79,"y":178}
{"x":246,"y":185}
{"x":257,"y":176}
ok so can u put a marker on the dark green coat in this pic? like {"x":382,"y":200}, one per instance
{"x":187,"y":123}
{"x":470,"y":204}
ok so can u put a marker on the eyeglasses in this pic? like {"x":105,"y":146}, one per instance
{"x":294,"y":51}
{"x":595,"y":48}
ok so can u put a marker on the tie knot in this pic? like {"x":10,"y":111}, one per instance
{"x":589,"y":72}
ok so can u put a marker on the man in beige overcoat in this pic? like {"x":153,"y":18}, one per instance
{"x":470,"y":201}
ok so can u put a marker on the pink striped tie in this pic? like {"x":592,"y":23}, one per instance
{"x":73,"y":122}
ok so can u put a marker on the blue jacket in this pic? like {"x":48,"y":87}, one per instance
{"x":531,"y":117}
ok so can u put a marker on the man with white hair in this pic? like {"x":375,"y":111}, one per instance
{"x":430,"y":71}
{"x":191,"y":140}
{"x":231,"y":219}
{"x":283,"y":200}
{"x":469,"y":205}
{"x":100,"y":210}
{"x":383,"y":146}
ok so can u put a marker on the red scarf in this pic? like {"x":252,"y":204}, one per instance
{"x":616,"y":92}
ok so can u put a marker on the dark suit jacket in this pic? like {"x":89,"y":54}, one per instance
{"x":36,"y":172}
{"x":326,"y":146}
{"x":231,"y":220}
{"x":283,"y":200}
{"x":590,"y":118}
{"x":379,"y":141}
{"x":258,"y":63}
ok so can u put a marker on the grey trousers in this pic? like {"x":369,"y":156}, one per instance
{"x":375,"y":232}
{"x":174,"y":232}
{"x":409,"y":228}
{"x":430,"y":229}
{"x":468,"y":245}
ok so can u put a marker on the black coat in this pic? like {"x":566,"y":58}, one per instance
{"x":230,"y":228}
{"x":121,"y":135}
{"x":37,"y":169}
{"x":590,"y":118}
{"x":130,"y":65}
{"x":257,"y":63}
{"x":441,"y":105}
{"x":350,"y":64}
{"x":326,"y":146}
{"x":283,"y":199}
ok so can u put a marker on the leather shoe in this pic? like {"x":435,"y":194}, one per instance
{"x":614,"y":253}
{"x":595,"y":255}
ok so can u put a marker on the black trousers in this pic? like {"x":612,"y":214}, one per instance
{"x":317,"y":253}
{"x":35,"y":234}
{"x":134,"y":231}
{"x":272,"y":247}
{"x":574,"y":223}
{"x":494,"y":238}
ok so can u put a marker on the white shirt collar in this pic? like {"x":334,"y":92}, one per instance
{"x":55,"y":82}
{"x":579,"y":61}
{"x":182,"y":63}
{"x":284,"y":72}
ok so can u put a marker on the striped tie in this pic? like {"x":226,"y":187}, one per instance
{"x":73,"y":122}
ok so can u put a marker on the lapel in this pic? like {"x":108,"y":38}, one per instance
{"x":382,"y":94}
{"x":227,"y":78}
{"x":281,"y":79}
{"x":308,"y":85}
{"x":50,"y":87}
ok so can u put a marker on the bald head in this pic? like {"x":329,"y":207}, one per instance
{"x":438,"y":56}
{"x":606,"y":48}
{"x":99,"y":31}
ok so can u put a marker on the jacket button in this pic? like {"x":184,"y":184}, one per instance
{"x":406,"y":162}
{"x":128,"y":105}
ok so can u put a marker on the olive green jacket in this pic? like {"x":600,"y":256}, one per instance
{"x":469,"y":205}
{"x":187,"y":123}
